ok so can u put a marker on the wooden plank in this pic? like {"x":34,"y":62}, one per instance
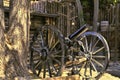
{"x":44,"y":14}
{"x":73,"y":77}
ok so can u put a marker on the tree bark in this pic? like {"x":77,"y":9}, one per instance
{"x":2,"y":40}
{"x":17,"y":40}
{"x":80,"y":12}
{"x":95,"y":17}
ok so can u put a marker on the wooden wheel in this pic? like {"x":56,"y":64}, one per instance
{"x":90,"y":56}
{"x":47,"y":52}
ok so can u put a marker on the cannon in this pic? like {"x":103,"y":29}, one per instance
{"x":83,"y":52}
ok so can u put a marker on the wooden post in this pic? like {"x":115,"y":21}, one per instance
{"x":68,"y":19}
{"x":95,"y":17}
{"x":116,"y":32}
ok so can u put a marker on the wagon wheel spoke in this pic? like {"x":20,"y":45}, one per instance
{"x":38,"y":63}
{"x":89,"y":72}
{"x":98,"y":63}
{"x":53,"y":66}
{"x":92,"y":64}
{"x":95,"y":43}
{"x":49,"y":69}
{"x":54,"y":45}
{"x":56,"y":53}
{"x":51,"y":40}
{"x":47,"y":55}
{"x":91,"y":44}
{"x":98,"y":50}
{"x":57,"y":61}
{"x":85,"y":72}
{"x":90,"y":69}
{"x":85,"y":43}
{"x":42,"y":40}
{"x":83,"y":65}
{"x":98,"y":57}
{"x":56,"y":58}
{"x":35,"y":49}
{"x":40,"y":69}
{"x":44,"y":70}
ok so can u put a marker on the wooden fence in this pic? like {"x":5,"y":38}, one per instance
{"x":112,"y":15}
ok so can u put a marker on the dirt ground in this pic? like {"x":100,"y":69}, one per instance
{"x":108,"y":76}
{"x":112,"y":73}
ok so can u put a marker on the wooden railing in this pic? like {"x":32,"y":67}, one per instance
{"x":38,"y":6}
{"x":41,"y":6}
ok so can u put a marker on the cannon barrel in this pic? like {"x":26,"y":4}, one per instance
{"x":80,"y":31}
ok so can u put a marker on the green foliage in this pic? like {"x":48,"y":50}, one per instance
{"x":103,"y":3}
{"x":87,"y":3}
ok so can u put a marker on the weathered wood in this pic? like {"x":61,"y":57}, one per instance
{"x":95,"y":17}
{"x":2,"y":40}
{"x":43,"y":14}
{"x":73,"y":77}
{"x":116,"y":32}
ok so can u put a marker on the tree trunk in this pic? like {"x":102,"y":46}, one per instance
{"x":2,"y":40}
{"x":80,"y":12}
{"x":17,"y":39}
{"x":95,"y":17}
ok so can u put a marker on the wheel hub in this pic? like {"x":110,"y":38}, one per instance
{"x":44,"y":54}
{"x":88,"y":55}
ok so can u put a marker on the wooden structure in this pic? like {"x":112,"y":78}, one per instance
{"x":47,"y":46}
{"x":62,"y":14}
{"x":111,"y":32}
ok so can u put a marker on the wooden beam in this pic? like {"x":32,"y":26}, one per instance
{"x":73,"y":77}
{"x":44,"y":14}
